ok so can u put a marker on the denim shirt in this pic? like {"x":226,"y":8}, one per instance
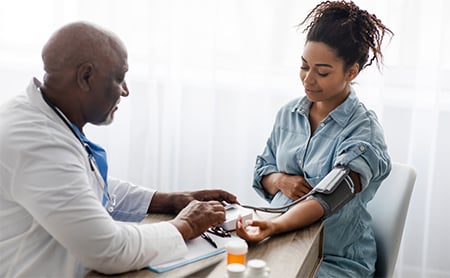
{"x":350,"y":136}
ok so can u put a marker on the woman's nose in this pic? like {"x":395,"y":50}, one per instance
{"x":308,"y":78}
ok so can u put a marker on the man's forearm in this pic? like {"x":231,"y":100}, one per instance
{"x":160,"y":203}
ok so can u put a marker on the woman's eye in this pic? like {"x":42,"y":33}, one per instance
{"x":304,"y":68}
{"x":322,"y":74}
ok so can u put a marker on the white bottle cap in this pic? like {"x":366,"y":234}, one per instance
{"x":257,"y":264}
{"x":257,"y":268}
{"x":236,"y":246}
{"x":235,"y":270}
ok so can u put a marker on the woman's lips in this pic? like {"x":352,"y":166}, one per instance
{"x":311,"y":91}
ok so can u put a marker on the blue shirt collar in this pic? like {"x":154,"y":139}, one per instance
{"x":341,"y":115}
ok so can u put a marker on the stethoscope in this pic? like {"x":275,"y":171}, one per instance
{"x":110,"y":203}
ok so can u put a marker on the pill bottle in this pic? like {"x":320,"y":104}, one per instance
{"x":236,"y":251}
{"x":235,"y":271}
{"x":257,"y":269}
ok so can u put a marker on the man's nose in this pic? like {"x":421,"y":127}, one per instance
{"x":125,"y":91}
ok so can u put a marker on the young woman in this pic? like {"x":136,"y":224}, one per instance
{"x":329,"y":127}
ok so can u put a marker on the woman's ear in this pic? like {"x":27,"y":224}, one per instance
{"x":352,"y":72}
{"x":84,"y":75}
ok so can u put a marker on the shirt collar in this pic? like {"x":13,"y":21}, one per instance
{"x":341,"y":114}
{"x":302,"y":106}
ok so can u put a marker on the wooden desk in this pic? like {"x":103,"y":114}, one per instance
{"x":294,"y":254}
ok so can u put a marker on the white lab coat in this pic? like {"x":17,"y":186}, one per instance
{"x":52,"y":222}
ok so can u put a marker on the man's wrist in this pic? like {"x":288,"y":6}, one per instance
{"x":183,"y":227}
{"x":160,"y":203}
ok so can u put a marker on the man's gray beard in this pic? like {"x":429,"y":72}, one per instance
{"x":109,"y":119}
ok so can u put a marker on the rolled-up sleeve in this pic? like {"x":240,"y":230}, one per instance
{"x":131,"y":201}
{"x":366,"y":154}
{"x":265,"y":165}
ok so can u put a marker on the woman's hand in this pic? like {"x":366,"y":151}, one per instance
{"x":292,"y":186}
{"x":255,"y":230}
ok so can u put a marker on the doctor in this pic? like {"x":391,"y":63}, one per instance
{"x":60,"y":213}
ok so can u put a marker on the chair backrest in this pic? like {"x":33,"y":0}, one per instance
{"x":388,"y":209}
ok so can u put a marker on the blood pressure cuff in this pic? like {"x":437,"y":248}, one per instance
{"x":334,"y":190}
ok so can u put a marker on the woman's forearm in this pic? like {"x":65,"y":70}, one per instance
{"x":301,"y":215}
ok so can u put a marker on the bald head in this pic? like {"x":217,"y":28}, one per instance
{"x":78,"y":43}
{"x":85,"y":68}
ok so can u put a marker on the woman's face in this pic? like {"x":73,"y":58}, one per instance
{"x":323,"y":76}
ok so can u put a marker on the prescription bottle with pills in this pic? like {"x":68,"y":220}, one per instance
{"x":236,"y":251}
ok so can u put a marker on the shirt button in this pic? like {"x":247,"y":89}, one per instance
{"x":300,"y":162}
{"x":362,"y":148}
{"x":322,"y":124}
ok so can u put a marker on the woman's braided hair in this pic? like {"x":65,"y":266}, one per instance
{"x":352,"y":32}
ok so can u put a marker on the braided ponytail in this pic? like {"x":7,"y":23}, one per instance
{"x":351,"y":31}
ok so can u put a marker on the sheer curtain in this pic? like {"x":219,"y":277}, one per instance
{"x":207,"y":77}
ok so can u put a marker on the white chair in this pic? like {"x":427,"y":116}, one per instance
{"x":388,"y":209}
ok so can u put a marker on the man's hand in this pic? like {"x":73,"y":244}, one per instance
{"x":197,"y":217}
{"x":214,"y":195}
{"x":176,"y":201}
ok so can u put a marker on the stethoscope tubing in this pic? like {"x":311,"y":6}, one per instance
{"x":110,"y":199}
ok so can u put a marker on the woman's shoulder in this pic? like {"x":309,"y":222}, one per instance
{"x":364,"y":114}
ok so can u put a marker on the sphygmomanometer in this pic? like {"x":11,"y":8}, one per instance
{"x":332,"y":192}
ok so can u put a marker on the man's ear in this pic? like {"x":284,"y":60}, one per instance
{"x":84,"y":76}
{"x":352,"y":72}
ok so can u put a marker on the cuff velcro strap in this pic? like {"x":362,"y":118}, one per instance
{"x":334,"y":191}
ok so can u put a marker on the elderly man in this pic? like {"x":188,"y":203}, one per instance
{"x":58,"y":205}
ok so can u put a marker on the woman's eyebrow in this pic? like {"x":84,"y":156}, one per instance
{"x":318,"y":65}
